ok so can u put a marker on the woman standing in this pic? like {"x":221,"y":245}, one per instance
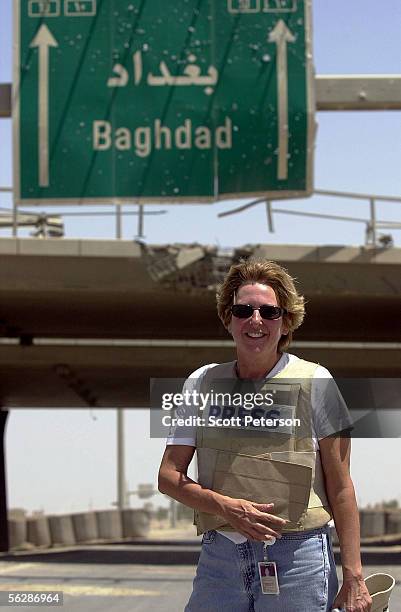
{"x":257,"y":487}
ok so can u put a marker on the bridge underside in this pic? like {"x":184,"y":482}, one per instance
{"x":78,"y":377}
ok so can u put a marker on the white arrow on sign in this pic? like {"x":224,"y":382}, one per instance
{"x":281,"y":35}
{"x":43,"y":40}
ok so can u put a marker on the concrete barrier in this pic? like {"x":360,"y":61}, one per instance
{"x":85,"y":527}
{"x":136,"y":523}
{"x":17,"y":533}
{"x":38,"y":531}
{"x":393,"y":522}
{"x":109,"y":524}
{"x":373,"y":523}
{"x":61,"y":530}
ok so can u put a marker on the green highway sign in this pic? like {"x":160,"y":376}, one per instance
{"x":148,"y":100}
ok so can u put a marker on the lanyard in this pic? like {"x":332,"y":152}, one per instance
{"x":266,"y":544}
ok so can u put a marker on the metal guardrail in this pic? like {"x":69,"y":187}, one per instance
{"x":372,"y":238}
{"x":51,"y":225}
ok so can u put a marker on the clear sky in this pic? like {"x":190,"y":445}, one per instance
{"x":65,"y":460}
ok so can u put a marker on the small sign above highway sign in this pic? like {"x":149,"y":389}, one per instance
{"x":139,"y":100}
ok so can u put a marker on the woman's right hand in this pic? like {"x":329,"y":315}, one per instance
{"x":253,"y":520}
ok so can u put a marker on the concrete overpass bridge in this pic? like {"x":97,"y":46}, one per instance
{"x":88,"y":322}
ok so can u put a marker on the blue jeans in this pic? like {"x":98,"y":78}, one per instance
{"x":227,"y":577}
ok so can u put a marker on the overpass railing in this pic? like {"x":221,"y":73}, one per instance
{"x":51,"y":225}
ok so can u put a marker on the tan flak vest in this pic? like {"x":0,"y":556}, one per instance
{"x":262,"y":466}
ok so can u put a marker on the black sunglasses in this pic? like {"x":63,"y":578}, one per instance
{"x":244,"y":311}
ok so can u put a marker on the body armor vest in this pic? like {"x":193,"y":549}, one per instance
{"x":262,"y":465}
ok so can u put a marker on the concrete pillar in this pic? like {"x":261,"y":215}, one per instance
{"x":393,"y":522}
{"x":17,"y":533}
{"x":372,"y":523}
{"x":85,"y":526}
{"x":38,"y":531}
{"x":136,"y":523}
{"x":4,"y":543}
{"x":61,"y":530}
{"x":109,"y":524}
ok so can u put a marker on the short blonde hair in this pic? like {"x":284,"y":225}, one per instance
{"x":266,"y":273}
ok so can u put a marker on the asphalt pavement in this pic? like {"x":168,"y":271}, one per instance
{"x":154,"y":574}
{"x":90,"y":585}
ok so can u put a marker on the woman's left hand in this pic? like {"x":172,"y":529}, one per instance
{"x":353,"y":596}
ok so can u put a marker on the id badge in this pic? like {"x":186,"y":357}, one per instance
{"x":268,"y":577}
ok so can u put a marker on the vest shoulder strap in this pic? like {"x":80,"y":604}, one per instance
{"x":299,"y":368}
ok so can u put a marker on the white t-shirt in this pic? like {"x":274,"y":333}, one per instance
{"x":329,"y":412}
